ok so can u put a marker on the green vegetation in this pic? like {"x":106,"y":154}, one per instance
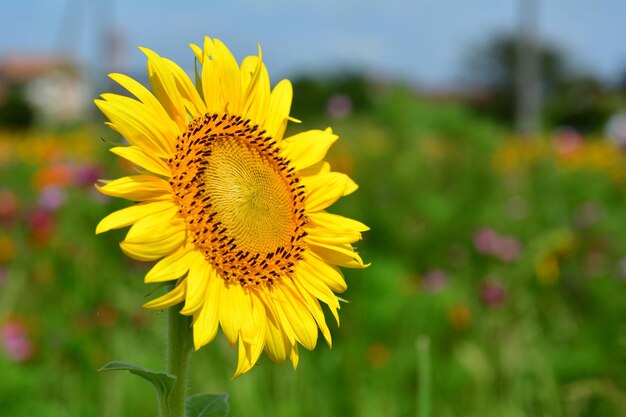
{"x":496,"y":288}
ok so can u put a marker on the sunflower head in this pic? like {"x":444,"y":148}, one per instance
{"x":233,"y":213}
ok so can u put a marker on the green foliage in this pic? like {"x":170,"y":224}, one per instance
{"x":431,"y":177}
{"x":162,"y":382}
{"x":207,"y":405}
{"x":15,"y":111}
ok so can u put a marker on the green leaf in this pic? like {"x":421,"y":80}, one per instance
{"x":162,"y":381}
{"x":207,"y":405}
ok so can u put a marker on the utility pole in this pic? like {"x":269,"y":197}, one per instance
{"x":528,"y":70}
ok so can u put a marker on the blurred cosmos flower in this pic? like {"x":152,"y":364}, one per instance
{"x":56,"y":175}
{"x":235,"y":212}
{"x":16,"y":341}
{"x":435,"y":281}
{"x":339,"y":106}
{"x":40,"y":225}
{"x":492,"y":293}
{"x":567,"y":140}
{"x":9,"y":205}
{"x":51,"y":198}
{"x":489,"y":242}
{"x":87,"y":174}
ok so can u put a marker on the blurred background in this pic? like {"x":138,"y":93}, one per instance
{"x":488,"y":138}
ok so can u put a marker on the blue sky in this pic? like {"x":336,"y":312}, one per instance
{"x":421,"y":41}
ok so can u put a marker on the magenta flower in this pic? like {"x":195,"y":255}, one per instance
{"x":16,"y":342}
{"x":493,"y":293}
{"x":435,"y":281}
{"x":502,"y":247}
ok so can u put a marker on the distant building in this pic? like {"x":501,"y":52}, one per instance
{"x":52,"y":85}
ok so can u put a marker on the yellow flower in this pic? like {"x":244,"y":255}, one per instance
{"x":234,"y":212}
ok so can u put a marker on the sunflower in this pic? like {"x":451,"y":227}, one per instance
{"x":234,"y":213}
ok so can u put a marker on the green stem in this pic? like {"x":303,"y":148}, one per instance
{"x":178,"y":348}
{"x":423,"y":381}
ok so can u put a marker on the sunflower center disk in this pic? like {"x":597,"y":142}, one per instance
{"x":242,"y":203}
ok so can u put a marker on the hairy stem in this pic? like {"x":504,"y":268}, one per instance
{"x":178,"y":348}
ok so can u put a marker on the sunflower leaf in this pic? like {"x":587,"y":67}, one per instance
{"x":162,"y":382}
{"x":208,"y":405}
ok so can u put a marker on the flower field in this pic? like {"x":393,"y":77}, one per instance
{"x":497,"y":283}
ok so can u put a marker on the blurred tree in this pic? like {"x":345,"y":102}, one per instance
{"x":313,"y":93}
{"x":570,"y":96}
{"x":582,"y":102}
{"x":492,"y":66}
{"x":15,"y":110}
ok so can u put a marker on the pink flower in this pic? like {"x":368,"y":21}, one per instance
{"x":339,"y":106}
{"x":86,"y":175}
{"x":41,"y":225}
{"x":486,"y":240}
{"x":16,"y":342}
{"x":435,"y":281}
{"x":493,"y":293}
{"x":502,"y":247}
{"x":508,"y":249}
{"x":51,"y":198}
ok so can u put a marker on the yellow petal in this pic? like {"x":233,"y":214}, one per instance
{"x":330,"y":236}
{"x":250,"y":347}
{"x":164,"y":87}
{"x":230,"y":311}
{"x":129,"y":215}
{"x":256,"y":83}
{"x":138,"y":157}
{"x":169,"y":299}
{"x":145,"y":227}
{"x":324,"y":189}
{"x":341,"y":255}
{"x":211,"y":82}
{"x":280,"y":105}
{"x":197,"y":51}
{"x":159,"y":242}
{"x":206,"y":319}
{"x":336,"y":222}
{"x":277,"y":345}
{"x":191,"y":99}
{"x":197,"y":280}
{"x":230,"y":77}
{"x":307,"y":148}
{"x":137,"y":188}
{"x":278,"y":315}
{"x":146,"y":97}
{"x":312,"y":283}
{"x":171,"y":267}
{"x":330,"y":275}
{"x":321,"y":167}
{"x":298,"y":316}
{"x":138,"y":124}
{"x":313,"y":306}
{"x":294,"y":356}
